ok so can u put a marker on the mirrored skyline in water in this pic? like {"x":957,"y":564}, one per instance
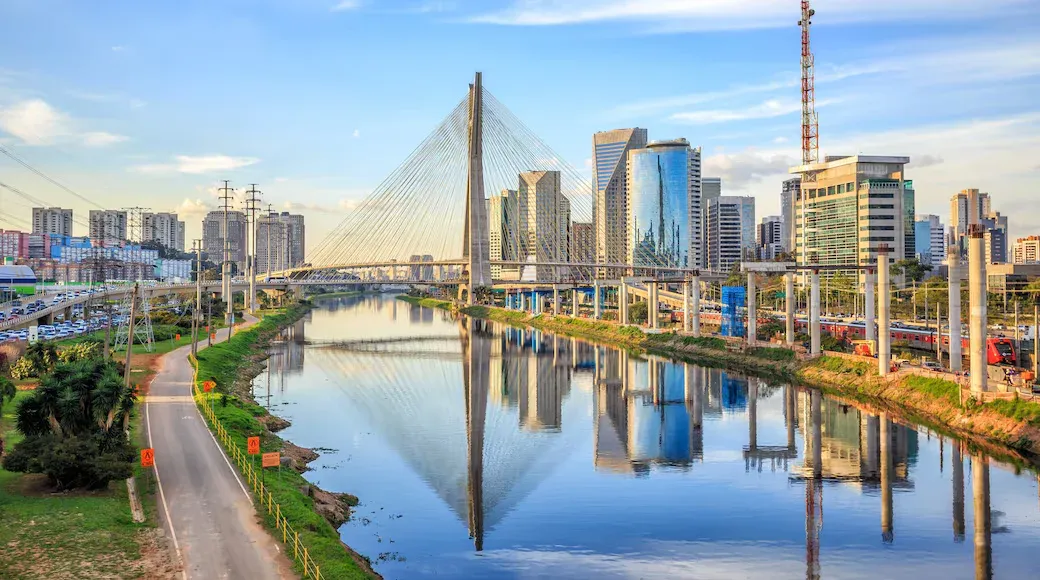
{"x":480,"y":450}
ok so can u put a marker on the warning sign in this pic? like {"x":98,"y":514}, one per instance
{"x":271,"y":459}
{"x":208,"y":386}
{"x":148,"y":457}
{"x":253,"y":445}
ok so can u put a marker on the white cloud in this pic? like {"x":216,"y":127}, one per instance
{"x":739,"y":170}
{"x":281,"y":179}
{"x":766,"y":110}
{"x":718,"y":15}
{"x":118,"y":48}
{"x":779,"y":140}
{"x":357,"y":133}
{"x":35,"y":122}
{"x":192,"y":208}
{"x":345,"y":5}
{"x":197,"y":164}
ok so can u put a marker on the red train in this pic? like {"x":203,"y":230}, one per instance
{"x":999,"y":349}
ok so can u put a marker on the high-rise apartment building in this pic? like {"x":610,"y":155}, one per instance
{"x":855,"y":205}
{"x":770,"y":237}
{"x":583,"y":243}
{"x":929,"y":240}
{"x":280,"y":241}
{"x":1027,"y":250}
{"x":711,"y":188}
{"x":664,"y":205}
{"x":731,"y":231}
{"x":213,"y":235}
{"x":787,"y":196}
{"x":164,"y":228}
{"x":996,"y":245}
{"x":970,"y":206}
{"x":54,"y":221}
{"x":544,"y":222}
{"x":108,"y":226}
{"x":610,"y":179}
{"x":504,"y":233}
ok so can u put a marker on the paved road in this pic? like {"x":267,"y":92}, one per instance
{"x":202,"y":501}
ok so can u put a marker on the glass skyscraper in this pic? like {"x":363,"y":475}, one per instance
{"x":664,"y":205}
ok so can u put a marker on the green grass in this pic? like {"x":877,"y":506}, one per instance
{"x":1017,"y":409}
{"x":705,"y":342}
{"x":74,"y":535}
{"x":223,"y":362}
{"x":936,"y":387}
{"x":839,"y":365}
{"x":778,"y":354}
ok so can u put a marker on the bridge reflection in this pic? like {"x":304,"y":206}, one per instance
{"x":485,"y":433}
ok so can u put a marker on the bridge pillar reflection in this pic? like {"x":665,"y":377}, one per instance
{"x":958,"y":492}
{"x":886,"y":479}
{"x":815,"y":400}
{"x":753,"y":414}
{"x":476,"y":350}
{"x":983,"y":529}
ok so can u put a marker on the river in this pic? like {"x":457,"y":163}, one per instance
{"x":484,"y":451}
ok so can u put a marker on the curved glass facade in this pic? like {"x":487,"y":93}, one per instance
{"x":659,"y":232}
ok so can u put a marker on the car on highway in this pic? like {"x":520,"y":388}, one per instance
{"x":932,"y":366}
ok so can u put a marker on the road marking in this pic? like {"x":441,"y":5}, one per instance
{"x":168,"y":399}
{"x":162,"y":497}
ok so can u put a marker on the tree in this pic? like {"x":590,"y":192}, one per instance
{"x":74,"y":426}
{"x":7,"y":394}
{"x":911,"y":268}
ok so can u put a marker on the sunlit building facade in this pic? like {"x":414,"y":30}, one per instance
{"x":664,"y":205}
{"x":610,"y":177}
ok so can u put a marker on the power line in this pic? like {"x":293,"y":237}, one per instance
{"x":40,"y":202}
{"x":26,"y":165}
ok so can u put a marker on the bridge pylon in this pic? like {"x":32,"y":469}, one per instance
{"x":476,"y":243}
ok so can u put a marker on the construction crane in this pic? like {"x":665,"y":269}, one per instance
{"x":810,"y":125}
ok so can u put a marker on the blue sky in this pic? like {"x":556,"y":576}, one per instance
{"x":150,"y":103}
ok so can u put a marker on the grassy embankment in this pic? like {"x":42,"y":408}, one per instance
{"x":231,"y":365}
{"x":932,"y":401}
{"x":79,"y":534}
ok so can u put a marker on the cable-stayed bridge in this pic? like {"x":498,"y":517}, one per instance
{"x":430,"y":216}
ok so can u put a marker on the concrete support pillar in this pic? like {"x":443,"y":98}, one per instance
{"x":884,"y":299}
{"x":652,"y":307}
{"x":556,"y":300}
{"x":815,"y":400}
{"x":596,"y":300}
{"x":886,"y":479}
{"x":623,"y":302}
{"x":789,"y":300}
{"x":814,"y":313}
{"x":752,"y":309}
{"x":983,"y":529}
{"x":977,"y":300}
{"x":686,"y":306}
{"x":574,"y":302}
{"x":695,"y":304}
{"x":953,"y":258}
{"x":958,"y":492}
{"x":868,"y":307}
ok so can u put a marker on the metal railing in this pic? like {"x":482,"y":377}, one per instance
{"x":261,"y":492}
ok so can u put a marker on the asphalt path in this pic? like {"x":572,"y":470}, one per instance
{"x":204,"y":504}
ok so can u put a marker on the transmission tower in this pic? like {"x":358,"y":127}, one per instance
{"x":225,"y":199}
{"x":142,"y":330}
{"x":810,"y":124}
{"x":251,"y":207}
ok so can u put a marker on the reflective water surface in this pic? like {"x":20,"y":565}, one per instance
{"x":484,"y":451}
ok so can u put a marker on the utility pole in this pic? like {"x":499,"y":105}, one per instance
{"x":196,"y":316}
{"x":225,"y":198}
{"x":130,"y":335}
{"x":270,"y":222}
{"x":252,"y":207}
{"x":209,"y":321}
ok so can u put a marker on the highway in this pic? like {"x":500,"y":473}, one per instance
{"x":203,"y":503}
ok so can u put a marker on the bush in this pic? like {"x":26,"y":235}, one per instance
{"x":73,"y":462}
{"x":38,"y":360}
{"x":80,"y":351}
{"x":706,"y":342}
{"x":637,"y":313}
{"x":23,"y":368}
{"x":772,"y":353}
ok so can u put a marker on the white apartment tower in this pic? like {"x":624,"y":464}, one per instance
{"x":54,"y":221}
{"x":108,"y":226}
{"x":164,"y":228}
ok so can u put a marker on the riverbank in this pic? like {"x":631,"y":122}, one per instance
{"x":1006,"y":428}
{"x":315,"y":513}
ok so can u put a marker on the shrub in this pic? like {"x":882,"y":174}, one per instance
{"x":706,"y":342}
{"x":637,"y":313}
{"x":771,"y":353}
{"x":23,"y":368}
{"x":73,"y":462}
{"x":80,"y":351}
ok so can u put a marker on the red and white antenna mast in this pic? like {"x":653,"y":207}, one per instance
{"x":810,"y":125}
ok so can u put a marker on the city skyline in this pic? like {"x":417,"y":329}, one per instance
{"x":90,"y":111}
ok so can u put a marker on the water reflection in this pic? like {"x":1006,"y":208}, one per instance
{"x":485,"y":414}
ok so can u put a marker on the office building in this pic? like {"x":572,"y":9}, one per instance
{"x":280,"y":242}
{"x":504,"y":233}
{"x":996,"y":244}
{"x":544,"y":222}
{"x":770,"y":237}
{"x":213,"y":235}
{"x":108,"y":226}
{"x":855,"y":205}
{"x":53,"y":221}
{"x":970,"y":206}
{"x":1026,"y":250}
{"x":583,"y":243}
{"x":909,"y":211}
{"x":164,"y":228}
{"x":610,"y":179}
{"x":930,"y":240}
{"x":664,"y":205}
{"x":711,"y":188}
{"x":787,"y":197}
{"x":731,"y":231}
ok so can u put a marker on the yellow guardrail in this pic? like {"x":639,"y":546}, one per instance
{"x":290,"y":537}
